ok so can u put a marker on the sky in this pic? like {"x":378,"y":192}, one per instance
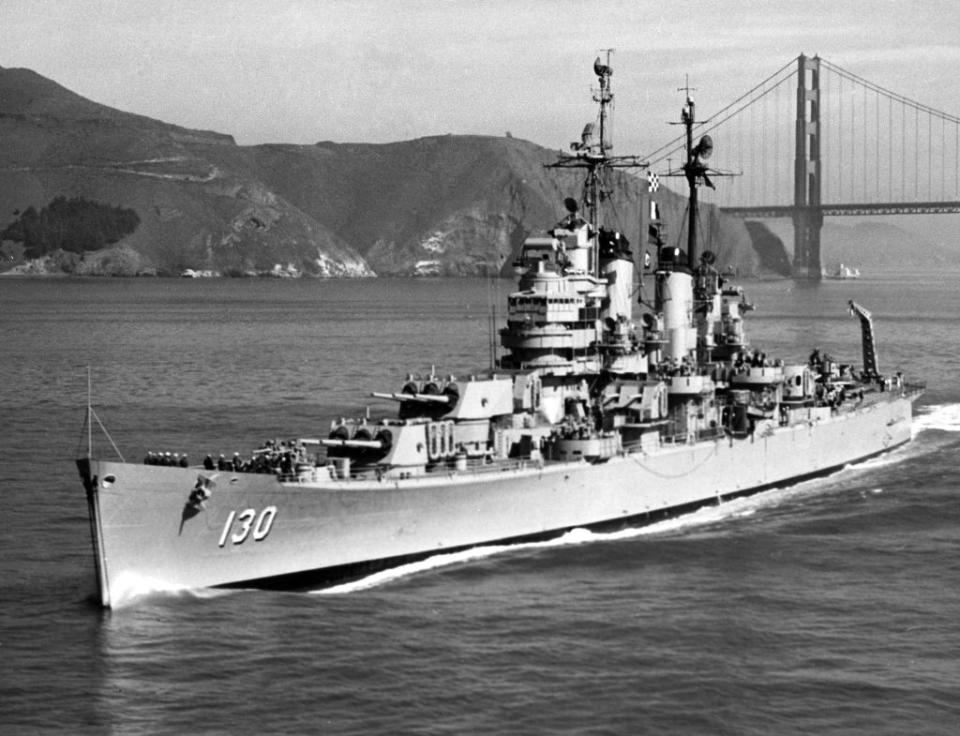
{"x":302,"y":71}
{"x":376,"y":71}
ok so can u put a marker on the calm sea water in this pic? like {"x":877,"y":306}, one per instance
{"x":831,"y":607}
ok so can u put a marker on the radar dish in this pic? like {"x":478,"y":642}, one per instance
{"x":601,"y":69}
{"x":571,"y":204}
{"x":586,"y":137}
{"x":704,"y":148}
{"x":709,"y":257}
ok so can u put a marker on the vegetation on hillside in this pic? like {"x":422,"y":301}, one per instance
{"x":75,"y":225}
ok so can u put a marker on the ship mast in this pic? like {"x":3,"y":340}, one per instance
{"x":689,"y":115}
{"x":695,"y":171}
{"x":89,"y":415}
{"x":592,"y":152}
{"x":604,"y":96}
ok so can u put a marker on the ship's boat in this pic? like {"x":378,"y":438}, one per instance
{"x":591,"y":417}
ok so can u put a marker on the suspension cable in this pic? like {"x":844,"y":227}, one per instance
{"x":889,"y":93}
{"x":672,"y":146}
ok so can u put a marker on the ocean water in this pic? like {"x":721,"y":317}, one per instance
{"x":831,"y":607}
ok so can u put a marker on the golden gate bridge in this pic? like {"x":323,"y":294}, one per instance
{"x":814,"y":140}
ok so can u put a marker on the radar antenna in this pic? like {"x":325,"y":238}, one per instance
{"x":694,"y":169}
{"x":591,"y":152}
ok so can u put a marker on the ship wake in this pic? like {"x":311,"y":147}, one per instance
{"x":938,"y":417}
{"x":128,"y":588}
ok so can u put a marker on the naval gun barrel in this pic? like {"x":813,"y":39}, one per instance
{"x":365,"y":444}
{"x":425,"y":398}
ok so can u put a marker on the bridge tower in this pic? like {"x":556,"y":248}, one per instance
{"x":807,"y":215}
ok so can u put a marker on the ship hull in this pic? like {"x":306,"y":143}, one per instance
{"x":254,"y":531}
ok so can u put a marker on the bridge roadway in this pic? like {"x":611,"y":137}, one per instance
{"x":876,"y":208}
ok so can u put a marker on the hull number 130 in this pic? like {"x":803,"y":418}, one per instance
{"x":244,"y":523}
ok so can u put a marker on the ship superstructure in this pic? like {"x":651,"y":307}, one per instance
{"x":579,"y":378}
{"x":588,"y":418}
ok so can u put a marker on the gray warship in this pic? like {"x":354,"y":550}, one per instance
{"x":590,"y":418}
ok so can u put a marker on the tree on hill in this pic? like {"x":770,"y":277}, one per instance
{"x":76,"y":225}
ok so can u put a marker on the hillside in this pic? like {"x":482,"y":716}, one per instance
{"x":453,"y":205}
{"x":192,"y":212}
